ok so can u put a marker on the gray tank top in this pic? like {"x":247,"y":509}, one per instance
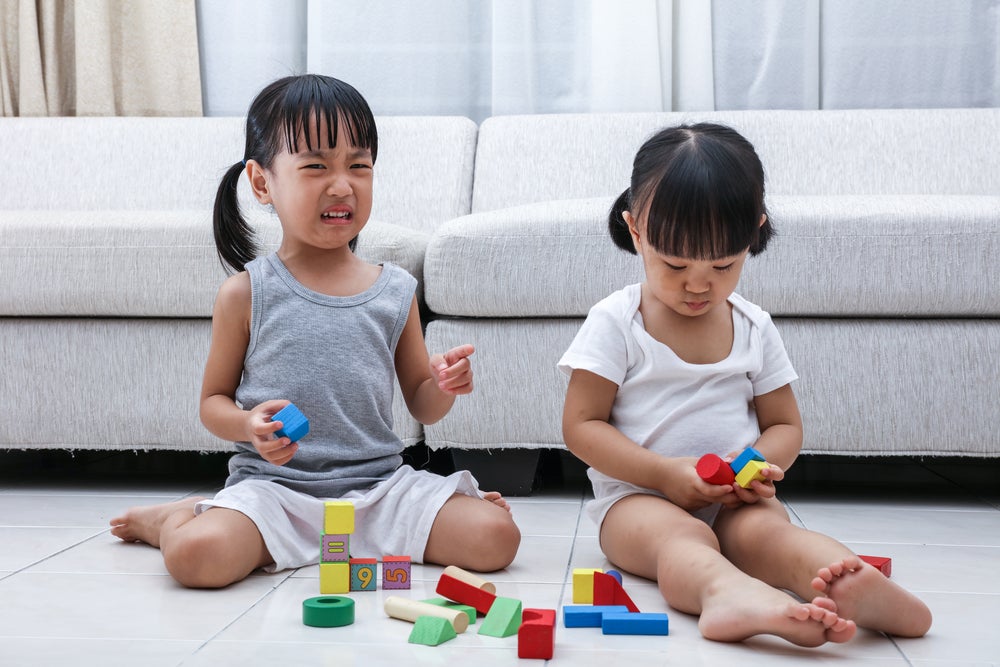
{"x":333,"y":357}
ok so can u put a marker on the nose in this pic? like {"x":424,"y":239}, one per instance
{"x":339,"y":185}
{"x":698,"y":285}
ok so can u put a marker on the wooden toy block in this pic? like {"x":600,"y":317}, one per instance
{"x":536,"y":638}
{"x":607,"y":591}
{"x":750,"y":472}
{"x":294,"y":424}
{"x":448,"y":604}
{"x":470,"y":578}
{"x":363,"y":577}
{"x":714,"y":470}
{"x":332,"y":611}
{"x":881,"y":563}
{"x":635,"y":624}
{"x":583,"y":585}
{"x":431,"y":631}
{"x":396,"y":572}
{"x":410,"y":610}
{"x":589,"y":616}
{"x":338,"y":517}
{"x":334,"y":578}
{"x":336,"y":549}
{"x":503,"y":619}
{"x":744,"y":457}
{"x":464,"y":593}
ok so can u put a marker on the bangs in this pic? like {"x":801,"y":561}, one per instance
{"x":316,"y":104}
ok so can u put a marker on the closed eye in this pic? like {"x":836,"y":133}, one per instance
{"x":725,"y":268}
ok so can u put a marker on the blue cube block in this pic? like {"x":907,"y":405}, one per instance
{"x":588,"y":615}
{"x":294,"y":424}
{"x":748,"y":454}
{"x":635,"y":624}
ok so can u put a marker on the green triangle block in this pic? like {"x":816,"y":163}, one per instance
{"x":504,"y":618}
{"x":431,"y":631}
{"x":448,"y":604}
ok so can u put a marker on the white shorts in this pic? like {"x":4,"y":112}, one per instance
{"x":607,"y":493}
{"x":394,"y":517}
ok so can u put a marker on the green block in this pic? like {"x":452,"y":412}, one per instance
{"x":448,"y":604}
{"x":431,"y":631}
{"x":504,"y":618}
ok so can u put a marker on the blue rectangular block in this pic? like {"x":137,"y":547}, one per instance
{"x":588,"y":615}
{"x":748,"y":454}
{"x":294,"y":424}
{"x":635,"y":624}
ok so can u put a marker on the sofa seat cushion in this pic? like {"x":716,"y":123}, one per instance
{"x":140,"y":263}
{"x":834,"y":256}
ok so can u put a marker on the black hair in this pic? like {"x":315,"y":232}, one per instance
{"x":701,"y":188}
{"x":277,"y":116}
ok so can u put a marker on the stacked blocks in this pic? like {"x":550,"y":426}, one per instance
{"x":536,"y":638}
{"x":609,"y":608}
{"x":334,"y":564}
{"x":744,"y":469}
{"x":294,"y":424}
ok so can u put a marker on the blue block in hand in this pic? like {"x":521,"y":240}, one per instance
{"x":294,"y":424}
{"x":748,"y":454}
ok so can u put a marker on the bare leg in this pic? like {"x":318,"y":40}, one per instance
{"x":761,"y":541}
{"x":653,"y":538}
{"x":213,"y":549}
{"x":474,"y":534}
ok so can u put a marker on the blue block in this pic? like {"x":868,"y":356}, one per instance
{"x":294,"y":424}
{"x":635,"y":624}
{"x":616,"y":574}
{"x":748,"y":454}
{"x":588,"y":615}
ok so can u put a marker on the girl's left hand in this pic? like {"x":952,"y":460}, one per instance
{"x":758,"y":489}
{"x":453,"y":371}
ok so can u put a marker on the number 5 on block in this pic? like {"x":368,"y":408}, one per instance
{"x":395,"y":572}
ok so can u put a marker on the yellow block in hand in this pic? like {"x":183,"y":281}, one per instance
{"x":750,"y":472}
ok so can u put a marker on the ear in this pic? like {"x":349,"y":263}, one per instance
{"x":258,"y":178}
{"x":633,"y":230}
{"x":763,"y":219}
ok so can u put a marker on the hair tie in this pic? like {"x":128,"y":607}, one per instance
{"x":244,"y":162}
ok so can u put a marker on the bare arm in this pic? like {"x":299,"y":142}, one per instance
{"x":430,"y":383}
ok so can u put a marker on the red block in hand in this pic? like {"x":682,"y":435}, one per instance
{"x":714,"y":470}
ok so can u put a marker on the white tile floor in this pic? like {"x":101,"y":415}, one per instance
{"x":71,"y":594}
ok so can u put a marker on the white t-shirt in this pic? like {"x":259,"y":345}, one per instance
{"x":670,"y":406}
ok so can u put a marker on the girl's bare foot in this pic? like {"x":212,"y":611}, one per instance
{"x":736,"y":615}
{"x":864,"y":594}
{"x":142,"y":524}
{"x":496,"y":499}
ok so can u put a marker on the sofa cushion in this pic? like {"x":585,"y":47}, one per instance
{"x":527,"y":159}
{"x":859,"y":256}
{"x":140,"y":263}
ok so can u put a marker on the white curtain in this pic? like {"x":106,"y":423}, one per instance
{"x":480,"y":58}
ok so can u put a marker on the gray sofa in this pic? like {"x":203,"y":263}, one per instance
{"x":883,"y":278}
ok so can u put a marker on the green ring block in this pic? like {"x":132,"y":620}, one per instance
{"x":503,"y":619}
{"x":328,"y":611}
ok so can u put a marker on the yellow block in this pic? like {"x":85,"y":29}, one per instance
{"x":583,"y":585}
{"x":338,"y":517}
{"x":334,"y":578}
{"x":750,"y":472}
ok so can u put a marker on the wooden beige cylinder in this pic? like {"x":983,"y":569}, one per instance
{"x":471,"y":579}
{"x":410,"y":610}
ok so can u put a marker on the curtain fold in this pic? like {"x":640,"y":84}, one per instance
{"x":99,"y":58}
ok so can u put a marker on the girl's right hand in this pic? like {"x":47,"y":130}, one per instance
{"x":686,"y":489}
{"x":261,"y":429}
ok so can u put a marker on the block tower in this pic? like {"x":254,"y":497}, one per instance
{"x":335,"y":557}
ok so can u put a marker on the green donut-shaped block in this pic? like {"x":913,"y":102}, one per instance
{"x":328,"y":611}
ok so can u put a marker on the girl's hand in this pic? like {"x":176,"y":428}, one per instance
{"x":261,"y":429}
{"x":453,"y":371}
{"x":757,"y":489}
{"x":686,"y":489}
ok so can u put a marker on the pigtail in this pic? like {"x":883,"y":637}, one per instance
{"x":234,"y":238}
{"x":617,"y":226}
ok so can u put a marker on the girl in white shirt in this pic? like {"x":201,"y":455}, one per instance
{"x":679,"y":366}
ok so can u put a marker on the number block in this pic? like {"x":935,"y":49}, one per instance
{"x":336,"y":549}
{"x":338,"y":517}
{"x":334,"y":578}
{"x":363,"y":577}
{"x":396,"y":572}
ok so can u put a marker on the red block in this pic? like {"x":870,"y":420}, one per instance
{"x":607,"y":592}
{"x":714,"y":470}
{"x":883,"y":564}
{"x":463,"y":593}
{"x":536,"y":638}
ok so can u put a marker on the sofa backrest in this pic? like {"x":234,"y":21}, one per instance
{"x":423,"y":175}
{"x":528,"y":159}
